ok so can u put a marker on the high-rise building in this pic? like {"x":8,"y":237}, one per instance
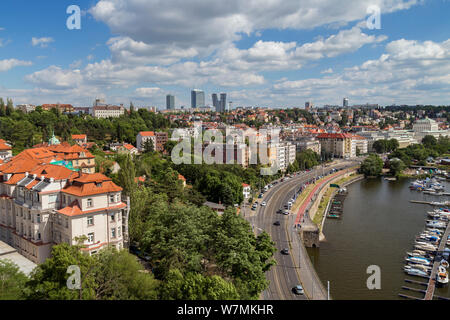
{"x":220,"y":105}
{"x":223,"y":102}
{"x":215,"y":102}
{"x":197,"y":98}
{"x":170,"y":102}
{"x":345,"y":103}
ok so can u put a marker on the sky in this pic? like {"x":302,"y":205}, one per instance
{"x":275,"y":53}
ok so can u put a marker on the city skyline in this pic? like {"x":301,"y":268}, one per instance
{"x":276,"y":59}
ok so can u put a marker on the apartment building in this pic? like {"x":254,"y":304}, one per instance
{"x":159,"y":140}
{"x":338,"y":144}
{"x":61,"y":107}
{"x":42,"y":204}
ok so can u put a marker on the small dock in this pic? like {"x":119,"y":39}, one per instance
{"x":432,"y":283}
{"x":436,"y":204}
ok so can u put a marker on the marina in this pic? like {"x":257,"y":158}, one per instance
{"x":381,"y":233}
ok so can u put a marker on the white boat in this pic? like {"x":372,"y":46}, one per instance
{"x":419,"y":267}
{"x":416,"y":272}
{"x":444,"y":263}
{"x":419,"y":260}
{"x":442,"y":276}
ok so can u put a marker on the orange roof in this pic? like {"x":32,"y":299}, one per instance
{"x":90,"y":184}
{"x":74,"y":209}
{"x":147,"y":133}
{"x":180,"y":177}
{"x":53,"y":171}
{"x":32,"y":184}
{"x":245,"y":185}
{"x":78,"y":136}
{"x":4,"y":146}
{"x":128,"y":146}
{"x":15,"y":178}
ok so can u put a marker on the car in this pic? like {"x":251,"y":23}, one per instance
{"x":253,"y":208}
{"x":279,"y":211}
{"x":277,"y":223}
{"x":285,"y":251}
{"x":298,"y":290}
{"x":286,"y":212}
{"x":260,"y":195}
{"x":263,"y":204}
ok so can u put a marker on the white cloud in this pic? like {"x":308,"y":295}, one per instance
{"x":8,"y":64}
{"x":41,"y":42}
{"x":409,"y":72}
{"x":196,"y":27}
{"x":56,"y":78}
{"x":327,"y":71}
{"x":148,"y":92}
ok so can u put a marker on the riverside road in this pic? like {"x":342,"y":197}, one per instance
{"x":290,"y":270}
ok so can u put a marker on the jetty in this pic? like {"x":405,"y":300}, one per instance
{"x":432,"y":282}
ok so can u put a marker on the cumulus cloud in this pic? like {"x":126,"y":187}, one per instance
{"x":8,"y":64}
{"x":409,"y":72}
{"x":199,"y":27}
{"x":147,"y":92}
{"x":41,"y":42}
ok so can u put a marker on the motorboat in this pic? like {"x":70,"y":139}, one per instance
{"x":419,"y":260}
{"x":442,"y":276}
{"x":444,"y":263}
{"x":419,"y":267}
{"x":416,"y":272}
{"x":426,"y":246}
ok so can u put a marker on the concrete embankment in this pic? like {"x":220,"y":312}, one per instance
{"x":354,"y":179}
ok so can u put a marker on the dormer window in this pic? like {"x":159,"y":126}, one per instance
{"x":99,"y":184}
{"x":89,"y":203}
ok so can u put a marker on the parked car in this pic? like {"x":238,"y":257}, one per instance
{"x":277,"y":223}
{"x":263,"y":204}
{"x":286,"y":212}
{"x":285,"y":251}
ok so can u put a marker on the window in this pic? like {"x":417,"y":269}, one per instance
{"x":90,"y":237}
{"x":113,"y":232}
{"x":113,"y":217}
{"x":39,"y":236}
{"x":66,"y":222}
{"x":38,"y":218}
{"x":89,"y":203}
{"x":90,"y":221}
{"x":119,"y":230}
{"x":118,"y":197}
{"x":111,"y":198}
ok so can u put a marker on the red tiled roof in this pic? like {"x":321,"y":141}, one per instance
{"x":74,"y":209}
{"x":90,"y":184}
{"x":147,"y":133}
{"x":78,"y":136}
{"x":334,"y":136}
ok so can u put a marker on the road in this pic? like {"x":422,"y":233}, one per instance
{"x":286,"y":274}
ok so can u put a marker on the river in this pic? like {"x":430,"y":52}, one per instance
{"x":378,"y":227}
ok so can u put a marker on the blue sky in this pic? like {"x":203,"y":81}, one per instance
{"x":277,"y":53}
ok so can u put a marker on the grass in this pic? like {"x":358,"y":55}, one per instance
{"x":318,"y":216}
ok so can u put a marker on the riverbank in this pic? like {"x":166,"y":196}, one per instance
{"x":377,"y":230}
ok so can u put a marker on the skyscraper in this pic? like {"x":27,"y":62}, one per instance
{"x":220,"y":105}
{"x":345,"y":103}
{"x":197,"y":98}
{"x":223,"y":102}
{"x":170,"y":102}
{"x":215,"y":102}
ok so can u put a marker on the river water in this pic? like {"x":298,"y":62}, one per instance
{"x":378,"y":227}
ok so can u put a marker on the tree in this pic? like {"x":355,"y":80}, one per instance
{"x":372,"y":166}
{"x":49,"y":279}
{"x":12,"y":281}
{"x":429,"y":141}
{"x":396,"y":167}
{"x":119,"y":275}
{"x":127,"y":175}
{"x":148,"y":146}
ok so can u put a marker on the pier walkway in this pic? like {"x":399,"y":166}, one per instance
{"x":432,"y":282}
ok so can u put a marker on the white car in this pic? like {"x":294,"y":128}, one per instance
{"x":263,"y":204}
